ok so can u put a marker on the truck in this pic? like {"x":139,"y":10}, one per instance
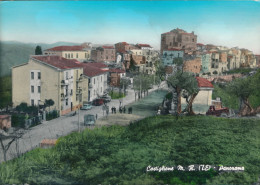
{"x":222,"y":112}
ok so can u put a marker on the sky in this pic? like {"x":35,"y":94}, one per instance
{"x":226,"y":23}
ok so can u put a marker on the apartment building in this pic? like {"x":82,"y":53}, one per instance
{"x":50,"y":77}
{"x":97,"y":75}
{"x":144,"y":46}
{"x":123,"y":47}
{"x":169,"y":55}
{"x":104,"y":54}
{"x":81,"y":53}
{"x":178,"y":39}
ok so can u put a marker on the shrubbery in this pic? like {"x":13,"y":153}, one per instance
{"x":52,"y":115}
{"x":116,"y":95}
{"x":120,"y":155}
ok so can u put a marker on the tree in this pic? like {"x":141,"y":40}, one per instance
{"x":243,"y":88}
{"x":49,"y":103}
{"x":38,"y":50}
{"x":142,"y":84}
{"x":124,"y":83}
{"x":8,"y":136}
{"x":132,"y":66}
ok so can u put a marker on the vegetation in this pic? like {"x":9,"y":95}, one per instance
{"x":52,"y":115}
{"x":116,"y":95}
{"x":242,"y":93}
{"x":5,"y":91}
{"x":120,"y":155}
{"x":239,"y":70}
{"x":38,"y":50}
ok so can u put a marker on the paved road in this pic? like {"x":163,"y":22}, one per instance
{"x":61,"y":126}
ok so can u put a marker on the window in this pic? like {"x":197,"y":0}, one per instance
{"x":101,"y":78}
{"x":67,"y":75}
{"x":94,"y":80}
{"x":66,"y":101}
{"x":32,"y":102}
{"x":32,"y":89}
{"x":66,"y":55}
{"x":106,"y":57}
{"x":39,"y":89}
{"x":71,"y":92}
{"x":39,"y":75}
{"x":71,"y":55}
{"x":77,"y":55}
{"x":101,"y":89}
{"x":85,"y":55}
{"x":32,"y":75}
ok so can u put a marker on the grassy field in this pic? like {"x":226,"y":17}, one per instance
{"x":116,"y":95}
{"x":121,"y":154}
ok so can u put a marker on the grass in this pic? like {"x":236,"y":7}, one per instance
{"x":120,"y":155}
{"x":116,"y":95}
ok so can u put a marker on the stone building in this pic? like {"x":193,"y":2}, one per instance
{"x":104,"y":54}
{"x":178,"y":39}
{"x":192,"y":65}
{"x":123,"y":47}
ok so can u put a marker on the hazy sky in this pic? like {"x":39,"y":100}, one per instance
{"x":227,"y":23}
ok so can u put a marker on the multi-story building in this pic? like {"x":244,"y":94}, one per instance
{"x":144,"y":46}
{"x":123,"y":47}
{"x":178,"y":39}
{"x":115,"y":75}
{"x":205,"y":62}
{"x":81,"y":53}
{"x":192,"y":64}
{"x":104,"y":54}
{"x":49,"y":77}
{"x":169,"y":55}
{"x":97,"y":74}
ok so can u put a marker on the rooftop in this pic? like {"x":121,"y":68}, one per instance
{"x":58,"y":61}
{"x":116,"y":70}
{"x":66,"y":48}
{"x":90,"y":70}
{"x":202,"y":82}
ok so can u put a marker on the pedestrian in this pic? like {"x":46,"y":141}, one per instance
{"x":120,"y":110}
{"x":114,"y":110}
{"x":124,"y":110}
{"x":131,"y":110}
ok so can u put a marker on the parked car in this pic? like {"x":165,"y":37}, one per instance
{"x":89,"y":119}
{"x":106,"y":98}
{"x":98,"y":102}
{"x":86,"y":107}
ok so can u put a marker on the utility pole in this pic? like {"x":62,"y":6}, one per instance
{"x":78,"y":119}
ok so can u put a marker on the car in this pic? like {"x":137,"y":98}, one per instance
{"x":106,"y":98}
{"x":98,"y":102}
{"x":89,"y":119}
{"x":86,"y":107}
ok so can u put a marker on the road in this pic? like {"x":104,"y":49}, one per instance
{"x":61,"y":126}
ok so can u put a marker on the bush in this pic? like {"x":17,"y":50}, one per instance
{"x":52,"y":115}
{"x":18,"y":120}
{"x":116,"y":95}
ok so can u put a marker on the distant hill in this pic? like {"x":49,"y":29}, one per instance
{"x":14,"y":53}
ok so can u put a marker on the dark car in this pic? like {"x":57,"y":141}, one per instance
{"x":98,"y":102}
{"x":106,"y":98}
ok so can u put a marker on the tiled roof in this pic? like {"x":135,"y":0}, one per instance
{"x":108,"y":47}
{"x":91,"y":71}
{"x":97,"y":64}
{"x":125,"y":43}
{"x":166,"y":32}
{"x":200,"y":44}
{"x":4,"y":116}
{"x":144,"y":45}
{"x":173,"y":49}
{"x":116,"y":71}
{"x":58,"y":61}
{"x":66,"y":48}
{"x":202,"y":82}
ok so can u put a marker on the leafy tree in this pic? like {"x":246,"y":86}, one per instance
{"x":38,"y":50}
{"x":49,"y":103}
{"x":142,"y":83}
{"x":132,"y":66}
{"x":124,"y":83}
{"x":243,"y":88}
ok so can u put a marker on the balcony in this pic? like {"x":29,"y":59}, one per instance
{"x":64,"y":82}
{"x":79,"y":79}
{"x":79,"y":90}
{"x":62,"y":96}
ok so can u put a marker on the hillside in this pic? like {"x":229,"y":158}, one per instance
{"x":14,"y":53}
{"x":121,"y":154}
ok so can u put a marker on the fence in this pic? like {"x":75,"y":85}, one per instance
{"x":33,"y":121}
